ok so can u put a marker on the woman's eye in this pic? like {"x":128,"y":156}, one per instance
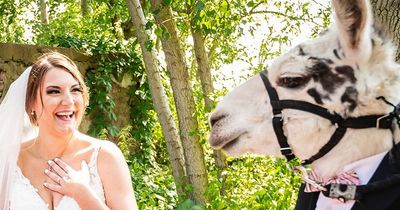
{"x":292,"y":82}
{"x":53,"y":92}
{"x":77,"y":90}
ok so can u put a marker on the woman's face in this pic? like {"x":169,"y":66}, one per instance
{"x":62,"y":102}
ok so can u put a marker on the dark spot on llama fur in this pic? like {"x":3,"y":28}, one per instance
{"x":335,"y":52}
{"x":325,"y":60}
{"x":346,"y":71}
{"x":317,"y":96}
{"x":301,"y":51}
{"x":323,"y":32}
{"x":350,"y":96}
{"x":340,"y":49}
{"x":322,"y":73}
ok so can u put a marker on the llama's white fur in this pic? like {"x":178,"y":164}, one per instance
{"x":245,"y":113}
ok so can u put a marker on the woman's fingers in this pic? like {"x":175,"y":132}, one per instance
{"x":63,"y":165}
{"x":53,"y":176}
{"x":65,"y":183}
{"x":54,"y":187}
{"x":58,"y":169}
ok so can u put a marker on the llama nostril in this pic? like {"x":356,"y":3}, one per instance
{"x":216,"y":118}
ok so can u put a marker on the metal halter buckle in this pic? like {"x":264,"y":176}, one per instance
{"x":342,"y":191}
{"x":286,"y":151}
{"x":302,"y":171}
{"x":378,"y":121}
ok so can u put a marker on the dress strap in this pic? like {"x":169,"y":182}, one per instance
{"x":95,"y":154}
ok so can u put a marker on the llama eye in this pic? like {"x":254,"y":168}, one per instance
{"x":292,"y":82}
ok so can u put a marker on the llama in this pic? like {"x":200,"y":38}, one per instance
{"x":347,"y":79}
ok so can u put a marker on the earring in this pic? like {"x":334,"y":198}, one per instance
{"x":34,"y":117}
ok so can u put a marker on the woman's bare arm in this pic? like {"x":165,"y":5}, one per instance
{"x":116,"y":179}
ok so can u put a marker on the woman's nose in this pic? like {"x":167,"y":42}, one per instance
{"x":67,"y":99}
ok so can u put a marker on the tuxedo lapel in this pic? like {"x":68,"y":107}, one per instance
{"x":306,"y":201}
{"x":384,"y":199}
{"x":380,"y":200}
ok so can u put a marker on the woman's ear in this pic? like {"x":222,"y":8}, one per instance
{"x":354,"y":24}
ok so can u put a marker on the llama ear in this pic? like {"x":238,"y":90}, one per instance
{"x":354,"y":25}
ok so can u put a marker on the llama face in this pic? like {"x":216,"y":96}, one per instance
{"x":344,"y":70}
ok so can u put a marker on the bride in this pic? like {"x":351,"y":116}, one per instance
{"x":45,"y":162}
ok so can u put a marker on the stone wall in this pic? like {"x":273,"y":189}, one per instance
{"x":15,"y":58}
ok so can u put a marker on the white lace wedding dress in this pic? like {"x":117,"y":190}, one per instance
{"x":25,"y":197}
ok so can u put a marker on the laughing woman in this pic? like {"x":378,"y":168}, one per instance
{"x":45,"y":162}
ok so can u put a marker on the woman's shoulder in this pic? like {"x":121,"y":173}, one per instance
{"x":27,"y":144}
{"x":106,"y":147}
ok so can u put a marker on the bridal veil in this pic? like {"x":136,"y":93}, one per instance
{"x":15,"y":128}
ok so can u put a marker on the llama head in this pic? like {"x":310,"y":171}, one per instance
{"x":343,"y":70}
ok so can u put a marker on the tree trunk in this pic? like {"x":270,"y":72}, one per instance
{"x":44,"y":16}
{"x":184,"y":101}
{"x":387,"y":12}
{"x":159,"y":98}
{"x":204,"y":72}
{"x":203,"y":67}
{"x":85,"y":7}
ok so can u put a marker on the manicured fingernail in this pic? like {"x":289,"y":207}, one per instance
{"x":45,"y":184}
{"x":56,"y":159}
{"x":49,"y":162}
{"x":46,"y":171}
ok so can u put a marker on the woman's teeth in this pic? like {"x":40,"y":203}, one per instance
{"x":65,"y":115}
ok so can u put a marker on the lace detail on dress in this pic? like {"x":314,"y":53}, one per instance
{"x":95,"y":181}
{"x":24,"y":196}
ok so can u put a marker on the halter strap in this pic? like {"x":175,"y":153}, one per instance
{"x":277,"y":120}
{"x":369,"y":121}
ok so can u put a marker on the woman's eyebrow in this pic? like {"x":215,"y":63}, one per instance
{"x":53,"y":86}
{"x":58,"y":87}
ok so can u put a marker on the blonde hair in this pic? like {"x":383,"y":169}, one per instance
{"x":37,"y":74}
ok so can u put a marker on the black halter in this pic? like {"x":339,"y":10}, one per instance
{"x":370,"y":121}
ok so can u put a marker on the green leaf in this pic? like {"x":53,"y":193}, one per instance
{"x":250,"y":4}
{"x":158,"y":31}
{"x":149,"y":25}
{"x":200,"y":5}
{"x":149,"y":45}
{"x":167,"y":2}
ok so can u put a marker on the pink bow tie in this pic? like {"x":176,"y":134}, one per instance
{"x":348,"y":178}
{"x":314,"y":183}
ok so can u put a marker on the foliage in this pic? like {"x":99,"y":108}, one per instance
{"x":154,"y":186}
{"x":229,"y":25}
{"x":255,"y":183}
{"x":189,"y":205}
{"x":12,"y":22}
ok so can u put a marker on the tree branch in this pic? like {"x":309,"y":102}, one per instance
{"x":316,"y":2}
{"x":284,"y":15}
{"x":255,"y":7}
